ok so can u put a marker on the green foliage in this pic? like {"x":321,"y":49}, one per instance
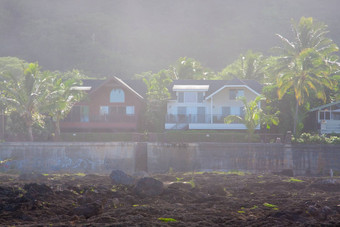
{"x":192,"y":182}
{"x":251,"y":65}
{"x":61,"y":96}
{"x":269,"y":205}
{"x":253,"y":116}
{"x":28,"y":95}
{"x":295,"y":180}
{"x":157,"y":95}
{"x":189,"y":68}
{"x":304,"y":65}
{"x":167,"y":220}
{"x":23,"y":93}
{"x":307,"y":138}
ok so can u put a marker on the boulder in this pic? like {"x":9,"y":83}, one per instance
{"x":88,"y":210}
{"x":148,"y":186}
{"x":119,"y":177}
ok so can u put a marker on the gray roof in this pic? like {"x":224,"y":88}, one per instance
{"x":337,"y":103}
{"x":215,"y":85}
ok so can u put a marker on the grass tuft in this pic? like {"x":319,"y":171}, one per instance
{"x":167,"y":219}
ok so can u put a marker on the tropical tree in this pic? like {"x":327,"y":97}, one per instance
{"x":251,"y":65}
{"x":189,"y":68}
{"x":157,"y":94}
{"x":23,"y":93}
{"x":62,"y":95}
{"x":305,"y":64}
{"x":253,"y":117}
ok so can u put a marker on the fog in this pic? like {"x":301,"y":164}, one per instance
{"x":125,"y":37}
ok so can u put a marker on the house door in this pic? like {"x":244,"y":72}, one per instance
{"x":200,"y":114}
{"x":181,"y":113}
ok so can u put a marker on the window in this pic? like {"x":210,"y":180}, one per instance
{"x":200,"y":114}
{"x":325,"y":115}
{"x":181,"y":111}
{"x":235,"y":111}
{"x":180,"y":97}
{"x":117,"y":96}
{"x":130,"y":110}
{"x":84,"y":113}
{"x":104,"y":110}
{"x":190,"y":97}
{"x":241,"y":111}
{"x":225,"y":111}
{"x":235,"y":93}
{"x":200,"y":97}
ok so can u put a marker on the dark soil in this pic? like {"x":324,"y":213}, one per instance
{"x":200,"y":199}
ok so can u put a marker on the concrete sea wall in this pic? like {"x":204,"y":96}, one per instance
{"x":160,"y":158}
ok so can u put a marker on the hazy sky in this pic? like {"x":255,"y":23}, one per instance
{"x":125,"y":37}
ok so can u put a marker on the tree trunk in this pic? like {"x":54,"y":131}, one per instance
{"x":57,"y":129}
{"x":296,"y":116}
{"x":30,"y":132}
{"x":29,"y":125}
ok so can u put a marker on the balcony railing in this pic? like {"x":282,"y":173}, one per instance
{"x":102,"y":118}
{"x":195,"y":118}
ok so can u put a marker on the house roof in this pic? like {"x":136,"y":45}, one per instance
{"x":324,"y":106}
{"x":137,"y":87}
{"x":216,"y":85}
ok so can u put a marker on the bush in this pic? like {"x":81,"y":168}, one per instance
{"x":307,"y":138}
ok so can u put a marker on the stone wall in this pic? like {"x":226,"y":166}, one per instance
{"x":68,"y":157}
{"x":160,"y":158}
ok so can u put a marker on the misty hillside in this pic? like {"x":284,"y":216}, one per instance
{"x":124,"y":37}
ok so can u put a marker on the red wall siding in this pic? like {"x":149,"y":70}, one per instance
{"x":101,"y":97}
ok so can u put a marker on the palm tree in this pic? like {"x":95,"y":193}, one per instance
{"x":305,"y":64}
{"x":61,"y":96}
{"x":253,"y":116}
{"x":189,"y":68}
{"x":251,"y":65}
{"x":23,"y":92}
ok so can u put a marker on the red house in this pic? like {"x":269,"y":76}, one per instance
{"x":111,"y":105}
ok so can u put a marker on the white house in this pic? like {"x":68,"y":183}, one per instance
{"x":203,"y":104}
{"x":328,"y":117}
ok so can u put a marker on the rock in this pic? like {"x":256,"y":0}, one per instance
{"x":325,"y":211}
{"x":39,"y":190}
{"x":313,"y":210}
{"x":141,"y":174}
{"x":88,"y":210}
{"x":31,"y":176}
{"x":119,"y":177}
{"x":148,"y":186}
{"x":285,"y":172}
{"x":185,"y":186}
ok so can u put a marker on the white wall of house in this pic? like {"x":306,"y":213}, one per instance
{"x":220,"y":100}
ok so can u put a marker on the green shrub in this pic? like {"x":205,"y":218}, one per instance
{"x":307,"y":138}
